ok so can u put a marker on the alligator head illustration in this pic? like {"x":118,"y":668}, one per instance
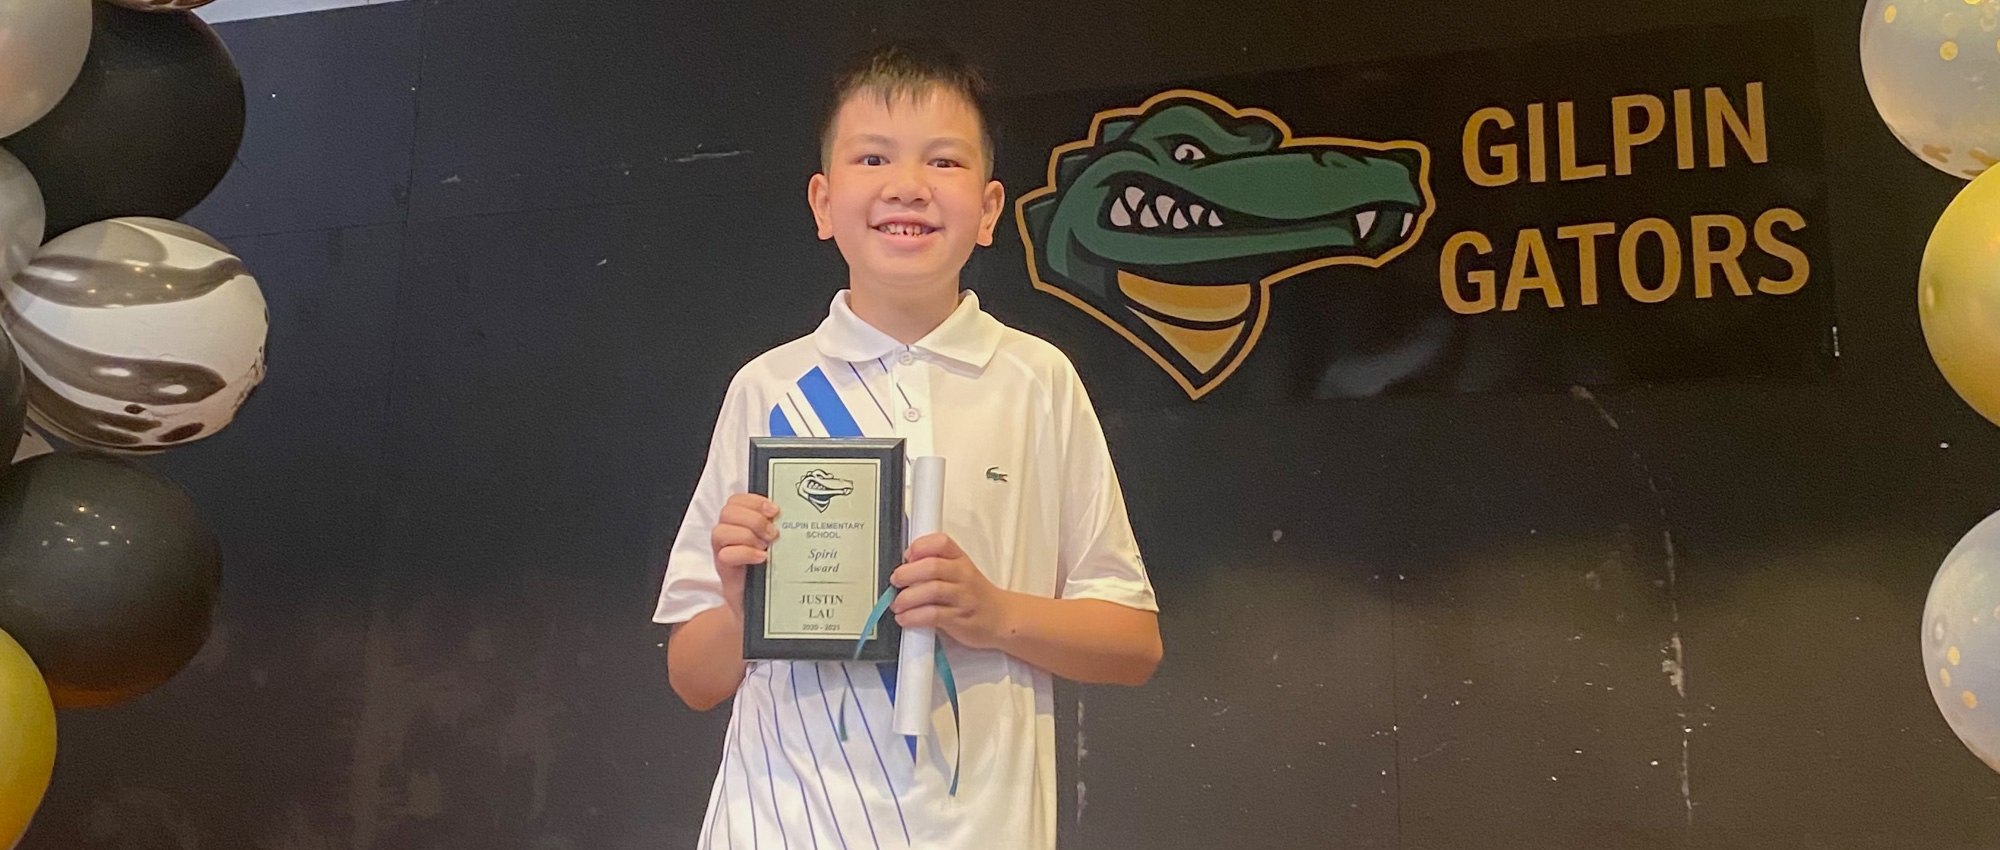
{"x":1171,"y":221}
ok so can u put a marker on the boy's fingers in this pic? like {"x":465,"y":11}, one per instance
{"x":739,"y":556}
{"x":748,"y":518}
{"x":919,"y":619}
{"x":918,"y":571}
{"x":926,"y":617}
{"x":923,"y":594}
{"x":734,"y":535}
{"x":757,"y":504}
{"x":933,"y":546}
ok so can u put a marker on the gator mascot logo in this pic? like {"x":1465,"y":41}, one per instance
{"x":1172,"y":220}
{"x":819,"y":488}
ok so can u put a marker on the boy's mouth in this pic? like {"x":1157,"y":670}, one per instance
{"x":904,"y":228}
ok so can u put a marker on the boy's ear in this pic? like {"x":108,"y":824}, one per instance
{"x":817,"y":198}
{"x":991,"y":205}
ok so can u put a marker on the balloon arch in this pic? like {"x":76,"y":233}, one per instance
{"x":127,"y":333}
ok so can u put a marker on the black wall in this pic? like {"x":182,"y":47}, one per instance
{"x":515,"y":248}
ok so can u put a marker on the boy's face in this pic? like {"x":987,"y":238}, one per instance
{"x":905,"y":193}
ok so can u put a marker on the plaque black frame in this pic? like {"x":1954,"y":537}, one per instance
{"x":887,"y":642}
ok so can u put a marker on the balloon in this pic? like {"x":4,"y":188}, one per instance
{"x":138,"y":334}
{"x":108,"y":575}
{"x":32,"y":444}
{"x":1961,"y":640}
{"x":42,"y":43}
{"x":150,"y":127}
{"x":27,"y":740}
{"x":1958,"y":294}
{"x":13,"y":401}
{"x":1929,"y":64}
{"x":21,"y":215}
{"x":161,"y":5}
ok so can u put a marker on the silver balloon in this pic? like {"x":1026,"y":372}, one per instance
{"x":1933,"y":69}
{"x":32,"y":444}
{"x":42,"y":43}
{"x":161,"y":5}
{"x":21,"y":215}
{"x":1961,"y":641}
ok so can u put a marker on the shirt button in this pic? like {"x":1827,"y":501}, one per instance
{"x":912,"y":414}
{"x":906,"y":358}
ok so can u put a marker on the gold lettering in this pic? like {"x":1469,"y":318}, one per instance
{"x":1623,"y":140}
{"x":1749,"y":135}
{"x":1566,"y":145}
{"x":1767,"y":239}
{"x":1454,"y":297}
{"x":1628,"y":260}
{"x":1707,"y":256}
{"x":1538,"y":144}
{"x":1586,"y":254}
{"x":1684,"y":128}
{"x":1507,"y":154}
{"x":1530,"y":249}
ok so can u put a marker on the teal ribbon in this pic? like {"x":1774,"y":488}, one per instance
{"x":867,"y":628}
{"x":943,"y":666}
{"x":950,"y":693}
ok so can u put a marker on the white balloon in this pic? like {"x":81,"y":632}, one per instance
{"x":21,"y":215}
{"x":42,"y":45}
{"x":136,"y":334}
{"x":1933,"y":70}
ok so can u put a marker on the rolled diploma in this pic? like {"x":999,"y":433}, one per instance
{"x":916,"y":673}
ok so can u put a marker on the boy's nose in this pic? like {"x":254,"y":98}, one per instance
{"x":907,"y":186}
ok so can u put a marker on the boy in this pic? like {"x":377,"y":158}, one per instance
{"x":1036,"y":571}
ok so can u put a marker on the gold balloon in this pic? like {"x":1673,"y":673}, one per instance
{"x":1958,"y":294}
{"x":27,"y":740}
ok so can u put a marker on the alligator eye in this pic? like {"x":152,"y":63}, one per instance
{"x":1187,"y":152}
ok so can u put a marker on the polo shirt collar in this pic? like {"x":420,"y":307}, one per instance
{"x":968,"y":336}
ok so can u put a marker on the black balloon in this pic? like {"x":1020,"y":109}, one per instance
{"x":149,"y":128}
{"x":109,"y":578}
{"x":13,"y":404}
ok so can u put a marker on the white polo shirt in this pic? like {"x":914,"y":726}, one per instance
{"x":1030,"y":495}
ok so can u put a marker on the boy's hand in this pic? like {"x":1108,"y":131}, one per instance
{"x":742,"y":536}
{"x":943,"y":589}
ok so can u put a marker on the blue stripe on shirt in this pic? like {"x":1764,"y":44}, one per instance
{"x":826,"y":404}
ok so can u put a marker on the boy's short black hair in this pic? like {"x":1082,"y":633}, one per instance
{"x":912,"y":69}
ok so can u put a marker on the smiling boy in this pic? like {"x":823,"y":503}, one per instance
{"x":1036,"y":572}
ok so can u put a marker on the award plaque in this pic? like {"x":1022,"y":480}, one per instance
{"x":840,"y":535}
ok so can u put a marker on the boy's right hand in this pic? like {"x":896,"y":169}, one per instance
{"x":742,"y":536}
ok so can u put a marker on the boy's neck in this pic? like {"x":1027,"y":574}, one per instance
{"x":907,"y":315}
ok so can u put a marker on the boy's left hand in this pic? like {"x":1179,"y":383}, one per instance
{"x":943,"y":589}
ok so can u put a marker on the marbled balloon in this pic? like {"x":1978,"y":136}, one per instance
{"x":137,"y":334}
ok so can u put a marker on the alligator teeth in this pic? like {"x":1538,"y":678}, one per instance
{"x":1364,"y":222}
{"x":1408,"y":220}
{"x":1138,"y":208}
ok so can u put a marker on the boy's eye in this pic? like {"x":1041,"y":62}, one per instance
{"x":945,"y":163}
{"x":874,"y":159}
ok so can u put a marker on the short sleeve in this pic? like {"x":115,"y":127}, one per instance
{"x":692,"y":584}
{"x":1099,"y":556}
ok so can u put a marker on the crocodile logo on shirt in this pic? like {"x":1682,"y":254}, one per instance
{"x":820,"y":489}
{"x":1170,"y":222}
